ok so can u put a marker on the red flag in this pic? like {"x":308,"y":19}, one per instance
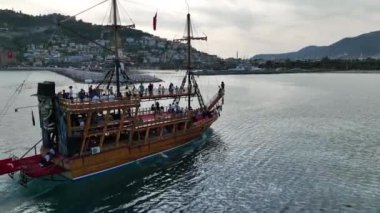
{"x":155,"y":21}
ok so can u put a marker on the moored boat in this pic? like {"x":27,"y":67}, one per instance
{"x":99,"y":130}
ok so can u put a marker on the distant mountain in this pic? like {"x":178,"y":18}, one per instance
{"x":363,"y":46}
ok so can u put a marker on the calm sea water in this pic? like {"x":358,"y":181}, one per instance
{"x":284,"y":143}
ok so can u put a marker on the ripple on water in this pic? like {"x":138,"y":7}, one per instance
{"x":297,"y":143}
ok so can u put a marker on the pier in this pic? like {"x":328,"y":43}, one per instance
{"x":82,"y":76}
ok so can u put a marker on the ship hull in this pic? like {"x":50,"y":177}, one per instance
{"x":86,"y":166}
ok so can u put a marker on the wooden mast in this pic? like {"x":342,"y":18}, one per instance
{"x":188,"y":60}
{"x":117,"y":60}
{"x":188,"y":39}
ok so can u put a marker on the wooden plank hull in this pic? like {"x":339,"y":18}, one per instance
{"x":85,"y":166}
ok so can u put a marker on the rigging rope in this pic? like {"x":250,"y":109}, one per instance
{"x":107,"y":14}
{"x":72,"y":17}
{"x":126,"y":11}
{"x":12,"y":99}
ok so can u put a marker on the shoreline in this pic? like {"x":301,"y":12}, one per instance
{"x":81,"y":76}
{"x":274,"y":72}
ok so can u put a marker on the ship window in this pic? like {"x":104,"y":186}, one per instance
{"x":78,"y":120}
{"x":135,"y":136}
{"x":154,"y":132}
{"x":139,"y":135}
{"x":109,"y":139}
{"x":142,"y":135}
{"x":181,"y":126}
{"x":168,"y":129}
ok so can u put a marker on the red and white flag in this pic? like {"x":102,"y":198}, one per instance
{"x":155,"y":21}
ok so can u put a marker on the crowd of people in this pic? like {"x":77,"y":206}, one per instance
{"x":92,"y":94}
{"x":172,"y":108}
{"x":96,"y":94}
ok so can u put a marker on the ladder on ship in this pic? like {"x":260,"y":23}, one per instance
{"x":198,"y":93}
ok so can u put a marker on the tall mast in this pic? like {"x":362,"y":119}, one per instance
{"x":117,"y":60}
{"x":188,"y":60}
{"x":189,"y":73}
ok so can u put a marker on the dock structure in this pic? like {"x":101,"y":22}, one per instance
{"x":82,"y":76}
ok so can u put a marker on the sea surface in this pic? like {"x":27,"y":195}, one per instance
{"x":284,"y":143}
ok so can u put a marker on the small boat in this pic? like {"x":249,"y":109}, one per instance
{"x":240,"y":69}
{"x":95,"y":133}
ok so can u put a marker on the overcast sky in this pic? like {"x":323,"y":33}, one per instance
{"x":247,"y":26}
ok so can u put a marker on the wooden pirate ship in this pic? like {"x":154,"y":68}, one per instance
{"x":88,"y":135}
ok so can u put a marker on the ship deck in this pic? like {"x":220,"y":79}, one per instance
{"x":132,"y":99}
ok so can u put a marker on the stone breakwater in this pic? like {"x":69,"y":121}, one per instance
{"x":82,"y":75}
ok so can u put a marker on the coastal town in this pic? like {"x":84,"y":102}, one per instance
{"x":50,"y":45}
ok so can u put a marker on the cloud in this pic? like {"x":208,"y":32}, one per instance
{"x":248,"y":26}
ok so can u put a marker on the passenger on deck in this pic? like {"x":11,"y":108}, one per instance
{"x":110,"y":91}
{"x":222,"y":85}
{"x":127,"y":92}
{"x":150,"y":88}
{"x":111,"y":97}
{"x":90,"y":92}
{"x":81,"y":122}
{"x":162,"y":89}
{"x":65,"y":94}
{"x":95,"y":99}
{"x":159,"y":89}
{"x":170,"y":109}
{"x":134,"y":90}
{"x":153,"y":108}
{"x":171,"y":88}
{"x":176,"y":107}
{"x":46,"y":159}
{"x":93,"y":142}
{"x":157,"y":107}
{"x":141,"y":89}
{"x":81,"y":95}
{"x":176,"y":89}
{"x":104,"y":97}
{"x":71,"y":93}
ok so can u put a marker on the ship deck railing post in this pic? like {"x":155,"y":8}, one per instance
{"x":121,"y":124}
{"x":85,"y":132}
{"x":106,"y":121}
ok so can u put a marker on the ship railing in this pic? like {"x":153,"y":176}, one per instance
{"x":34,"y":147}
{"x":163,"y":93}
{"x":211,"y":103}
{"x":95,"y":104}
{"x":166,"y":117}
{"x":164,"y":110}
{"x":145,"y":117}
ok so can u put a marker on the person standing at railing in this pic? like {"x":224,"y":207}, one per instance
{"x":81,"y":95}
{"x":110,"y":91}
{"x":170,"y":109}
{"x":162,"y":89}
{"x":157,"y":107}
{"x":71,"y":93}
{"x":141,"y":89}
{"x":150,"y":88}
{"x":159,"y":89}
{"x":90,"y":92}
{"x":176,"y":89}
{"x":171,"y":88}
